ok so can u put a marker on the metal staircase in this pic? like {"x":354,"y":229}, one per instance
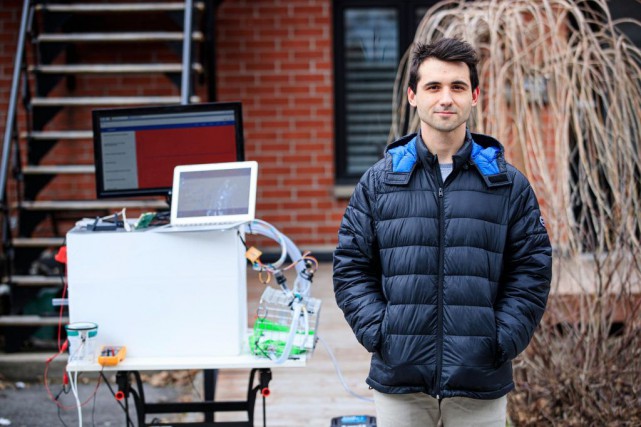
{"x":72,"y":57}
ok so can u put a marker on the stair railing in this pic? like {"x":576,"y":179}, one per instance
{"x":13,"y":101}
{"x":185,"y":86}
{"x":11,"y":131}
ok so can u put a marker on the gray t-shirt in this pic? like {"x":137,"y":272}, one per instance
{"x":446,"y":169}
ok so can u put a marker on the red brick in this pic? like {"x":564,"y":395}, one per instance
{"x":282,"y":147}
{"x":272,"y":9}
{"x":262,"y":135}
{"x":312,"y":170}
{"x":310,"y":32}
{"x":275,"y":124}
{"x":296,"y":44}
{"x":296,"y":135}
{"x":294,"y":66}
{"x":274,"y":78}
{"x":276,"y":194}
{"x":297,"y":90}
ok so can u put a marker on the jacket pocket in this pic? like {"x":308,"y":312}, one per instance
{"x":499,"y":353}
{"x":383,"y":350}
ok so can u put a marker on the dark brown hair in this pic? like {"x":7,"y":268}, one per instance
{"x":450,"y":50}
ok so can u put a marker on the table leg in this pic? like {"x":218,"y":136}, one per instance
{"x":210,"y":377}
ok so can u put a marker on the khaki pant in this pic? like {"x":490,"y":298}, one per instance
{"x":422,"y":410}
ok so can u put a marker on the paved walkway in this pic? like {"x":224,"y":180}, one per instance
{"x":309,"y":396}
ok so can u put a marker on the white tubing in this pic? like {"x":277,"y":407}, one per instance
{"x":306,"y":324}
{"x":301,"y":284}
{"x":340,"y":373}
{"x":264,"y":228}
{"x":73,"y":382}
{"x":292,"y":334}
{"x":257,"y":226}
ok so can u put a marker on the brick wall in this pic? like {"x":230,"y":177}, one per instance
{"x":276,"y":57}
{"x":10,"y":13}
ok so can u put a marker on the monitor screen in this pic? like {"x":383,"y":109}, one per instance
{"x":136,"y":149}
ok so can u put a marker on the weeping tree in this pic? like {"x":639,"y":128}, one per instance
{"x":561,"y":87}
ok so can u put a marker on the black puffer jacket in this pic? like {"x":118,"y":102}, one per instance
{"x":443,"y":282}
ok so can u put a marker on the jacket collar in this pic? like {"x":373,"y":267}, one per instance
{"x":459,"y":159}
{"x":481,"y":151}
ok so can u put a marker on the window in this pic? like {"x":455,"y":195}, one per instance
{"x":370,"y":37}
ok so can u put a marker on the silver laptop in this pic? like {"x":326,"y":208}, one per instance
{"x":212,"y":196}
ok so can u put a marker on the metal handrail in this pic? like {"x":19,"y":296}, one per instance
{"x":185,"y":86}
{"x":13,"y":101}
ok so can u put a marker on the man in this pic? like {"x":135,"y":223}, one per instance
{"x":443,"y":264}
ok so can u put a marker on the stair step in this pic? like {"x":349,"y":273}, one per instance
{"x":113,"y":68}
{"x":107,"y":100}
{"x":121,"y":7}
{"x":55,"y":205}
{"x":58,"y":134}
{"x":57,"y":169}
{"x":37,"y":242}
{"x":37,"y":281}
{"x":139,"y":36}
{"x":31,"y":320}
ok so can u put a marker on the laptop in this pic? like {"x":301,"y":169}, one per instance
{"x":216,"y":196}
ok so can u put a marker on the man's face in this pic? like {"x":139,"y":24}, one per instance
{"x":444,"y":96}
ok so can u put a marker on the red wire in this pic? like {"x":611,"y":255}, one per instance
{"x":64,"y":292}
{"x":51,"y":396}
{"x":61,"y":349}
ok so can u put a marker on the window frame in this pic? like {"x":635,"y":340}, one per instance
{"x":406,"y":12}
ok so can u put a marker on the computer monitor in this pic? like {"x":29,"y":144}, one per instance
{"x":136,"y":149}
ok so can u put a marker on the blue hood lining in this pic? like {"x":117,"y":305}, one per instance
{"x":404,"y":157}
{"x":485,"y":159}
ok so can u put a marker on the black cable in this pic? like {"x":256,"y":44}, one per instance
{"x":93,"y":410}
{"x":62,"y":390}
{"x":117,"y":401}
{"x":264,"y":411}
{"x":242,"y":240}
{"x":60,"y":417}
{"x":127,"y":419}
{"x":260,"y":348}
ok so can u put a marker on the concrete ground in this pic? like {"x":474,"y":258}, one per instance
{"x":25,"y":401}
{"x":309,"y":396}
{"x":28,"y":405}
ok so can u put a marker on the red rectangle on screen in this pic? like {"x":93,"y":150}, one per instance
{"x":158,"y":151}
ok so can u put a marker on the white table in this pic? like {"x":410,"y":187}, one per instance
{"x":175,"y":300}
{"x":176,"y":294}
{"x":244,"y":361}
{"x":130,"y":367}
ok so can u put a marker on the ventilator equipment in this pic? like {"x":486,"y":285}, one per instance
{"x":286,"y":319}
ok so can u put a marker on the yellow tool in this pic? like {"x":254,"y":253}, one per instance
{"x":111,"y":355}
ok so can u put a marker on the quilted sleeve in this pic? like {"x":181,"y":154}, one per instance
{"x":357,"y":273}
{"x":527,"y":273}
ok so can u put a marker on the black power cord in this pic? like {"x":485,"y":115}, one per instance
{"x":65,"y":391}
{"x":129,"y":422}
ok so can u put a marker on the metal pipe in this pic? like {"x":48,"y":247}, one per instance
{"x":13,"y":100}
{"x":185,"y":86}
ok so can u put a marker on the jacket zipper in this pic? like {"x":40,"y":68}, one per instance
{"x":441,"y":275}
{"x":441,"y":266}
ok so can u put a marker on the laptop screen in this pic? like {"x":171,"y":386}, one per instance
{"x":214,"y":193}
